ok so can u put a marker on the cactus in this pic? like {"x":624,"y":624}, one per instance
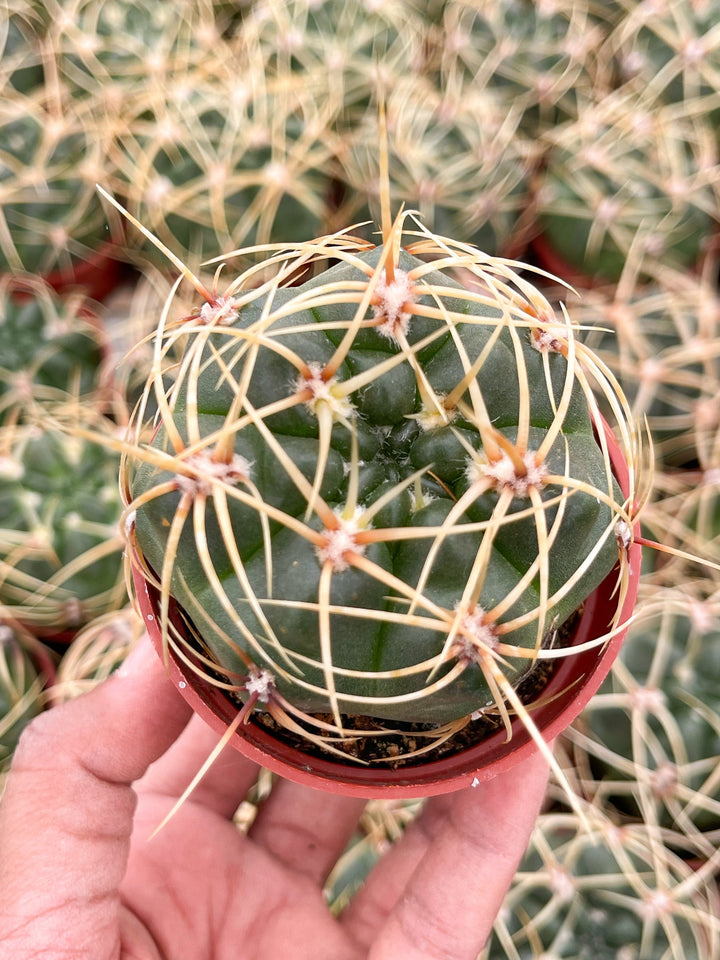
{"x":356,"y":51}
{"x":21,"y":687}
{"x":207,"y":178}
{"x":60,"y":547}
{"x":652,"y":733}
{"x":50,"y":160}
{"x":626,"y":184}
{"x":662,"y":341}
{"x":21,"y":30}
{"x":51,"y":348}
{"x":607,"y":893}
{"x":377,"y":494}
{"x":669,"y":53}
{"x":458,"y":159}
{"x":116,"y":45}
{"x":95,"y":653}
{"x":538,"y":56}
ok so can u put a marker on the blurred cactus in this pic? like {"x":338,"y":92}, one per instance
{"x":60,"y":546}
{"x":661,"y":339}
{"x":623,"y":184}
{"x":652,"y":733}
{"x":460,"y":161}
{"x":605,"y":892}
{"x":217,"y":163}
{"x":51,"y":217}
{"x":21,"y":685}
{"x":52,"y":349}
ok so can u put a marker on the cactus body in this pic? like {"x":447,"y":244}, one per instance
{"x":372,"y":486}
{"x":60,"y":550}
{"x":20,"y":689}
{"x":50,"y":348}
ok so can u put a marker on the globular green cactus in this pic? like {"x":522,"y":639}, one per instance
{"x":457,"y":157}
{"x":669,"y":53}
{"x":51,"y":217}
{"x":624,"y":184}
{"x":651,"y":733}
{"x":607,"y":893}
{"x":60,"y":546}
{"x":378,"y":493}
{"x":661,"y":339}
{"x":355,"y":52}
{"x":539,"y":56}
{"x":21,"y":30}
{"x":52,"y":349}
{"x":214,"y":163}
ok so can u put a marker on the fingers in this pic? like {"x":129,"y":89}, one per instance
{"x":221,"y":788}
{"x":67,"y":812}
{"x":438,"y":891}
{"x":306,"y":829}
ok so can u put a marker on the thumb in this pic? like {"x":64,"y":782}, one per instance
{"x":67,"y":812}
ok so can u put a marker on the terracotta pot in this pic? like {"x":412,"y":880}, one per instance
{"x":575,"y":679}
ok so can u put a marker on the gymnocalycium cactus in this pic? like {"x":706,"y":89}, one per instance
{"x":60,"y":546}
{"x":377,"y":495}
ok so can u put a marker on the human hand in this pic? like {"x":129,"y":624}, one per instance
{"x":80,"y":878}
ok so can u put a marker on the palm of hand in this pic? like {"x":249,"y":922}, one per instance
{"x":202,"y":889}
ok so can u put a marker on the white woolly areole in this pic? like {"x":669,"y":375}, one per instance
{"x":129,"y":523}
{"x":260,"y":684}
{"x":545,"y":341}
{"x":390,"y":300}
{"x":207,"y":470}
{"x":504,"y":476}
{"x":323,"y":391}
{"x":222,"y":311}
{"x":474,"y":637}
{"x":339,"y":542}
{"x":623,"y":534}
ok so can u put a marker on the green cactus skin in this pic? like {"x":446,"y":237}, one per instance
{"x":51,"y":348}
{"x":20,"y":688}
{"x":60,"y":547}
{"x":386,"y":437}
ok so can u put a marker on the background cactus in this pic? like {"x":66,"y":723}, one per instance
{"x":651,"y":733}
{"x":60,"y":547}
{"x":377,"y":430}
{"x":52,"y":349}
{"x":603,"y":892}
{"x":624,"y":184}
{"x":51,"y":216}
{"x":459,"y":159}
{"x":21,"y":685}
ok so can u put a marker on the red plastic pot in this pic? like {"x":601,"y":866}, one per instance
{"x":575,"y":679}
